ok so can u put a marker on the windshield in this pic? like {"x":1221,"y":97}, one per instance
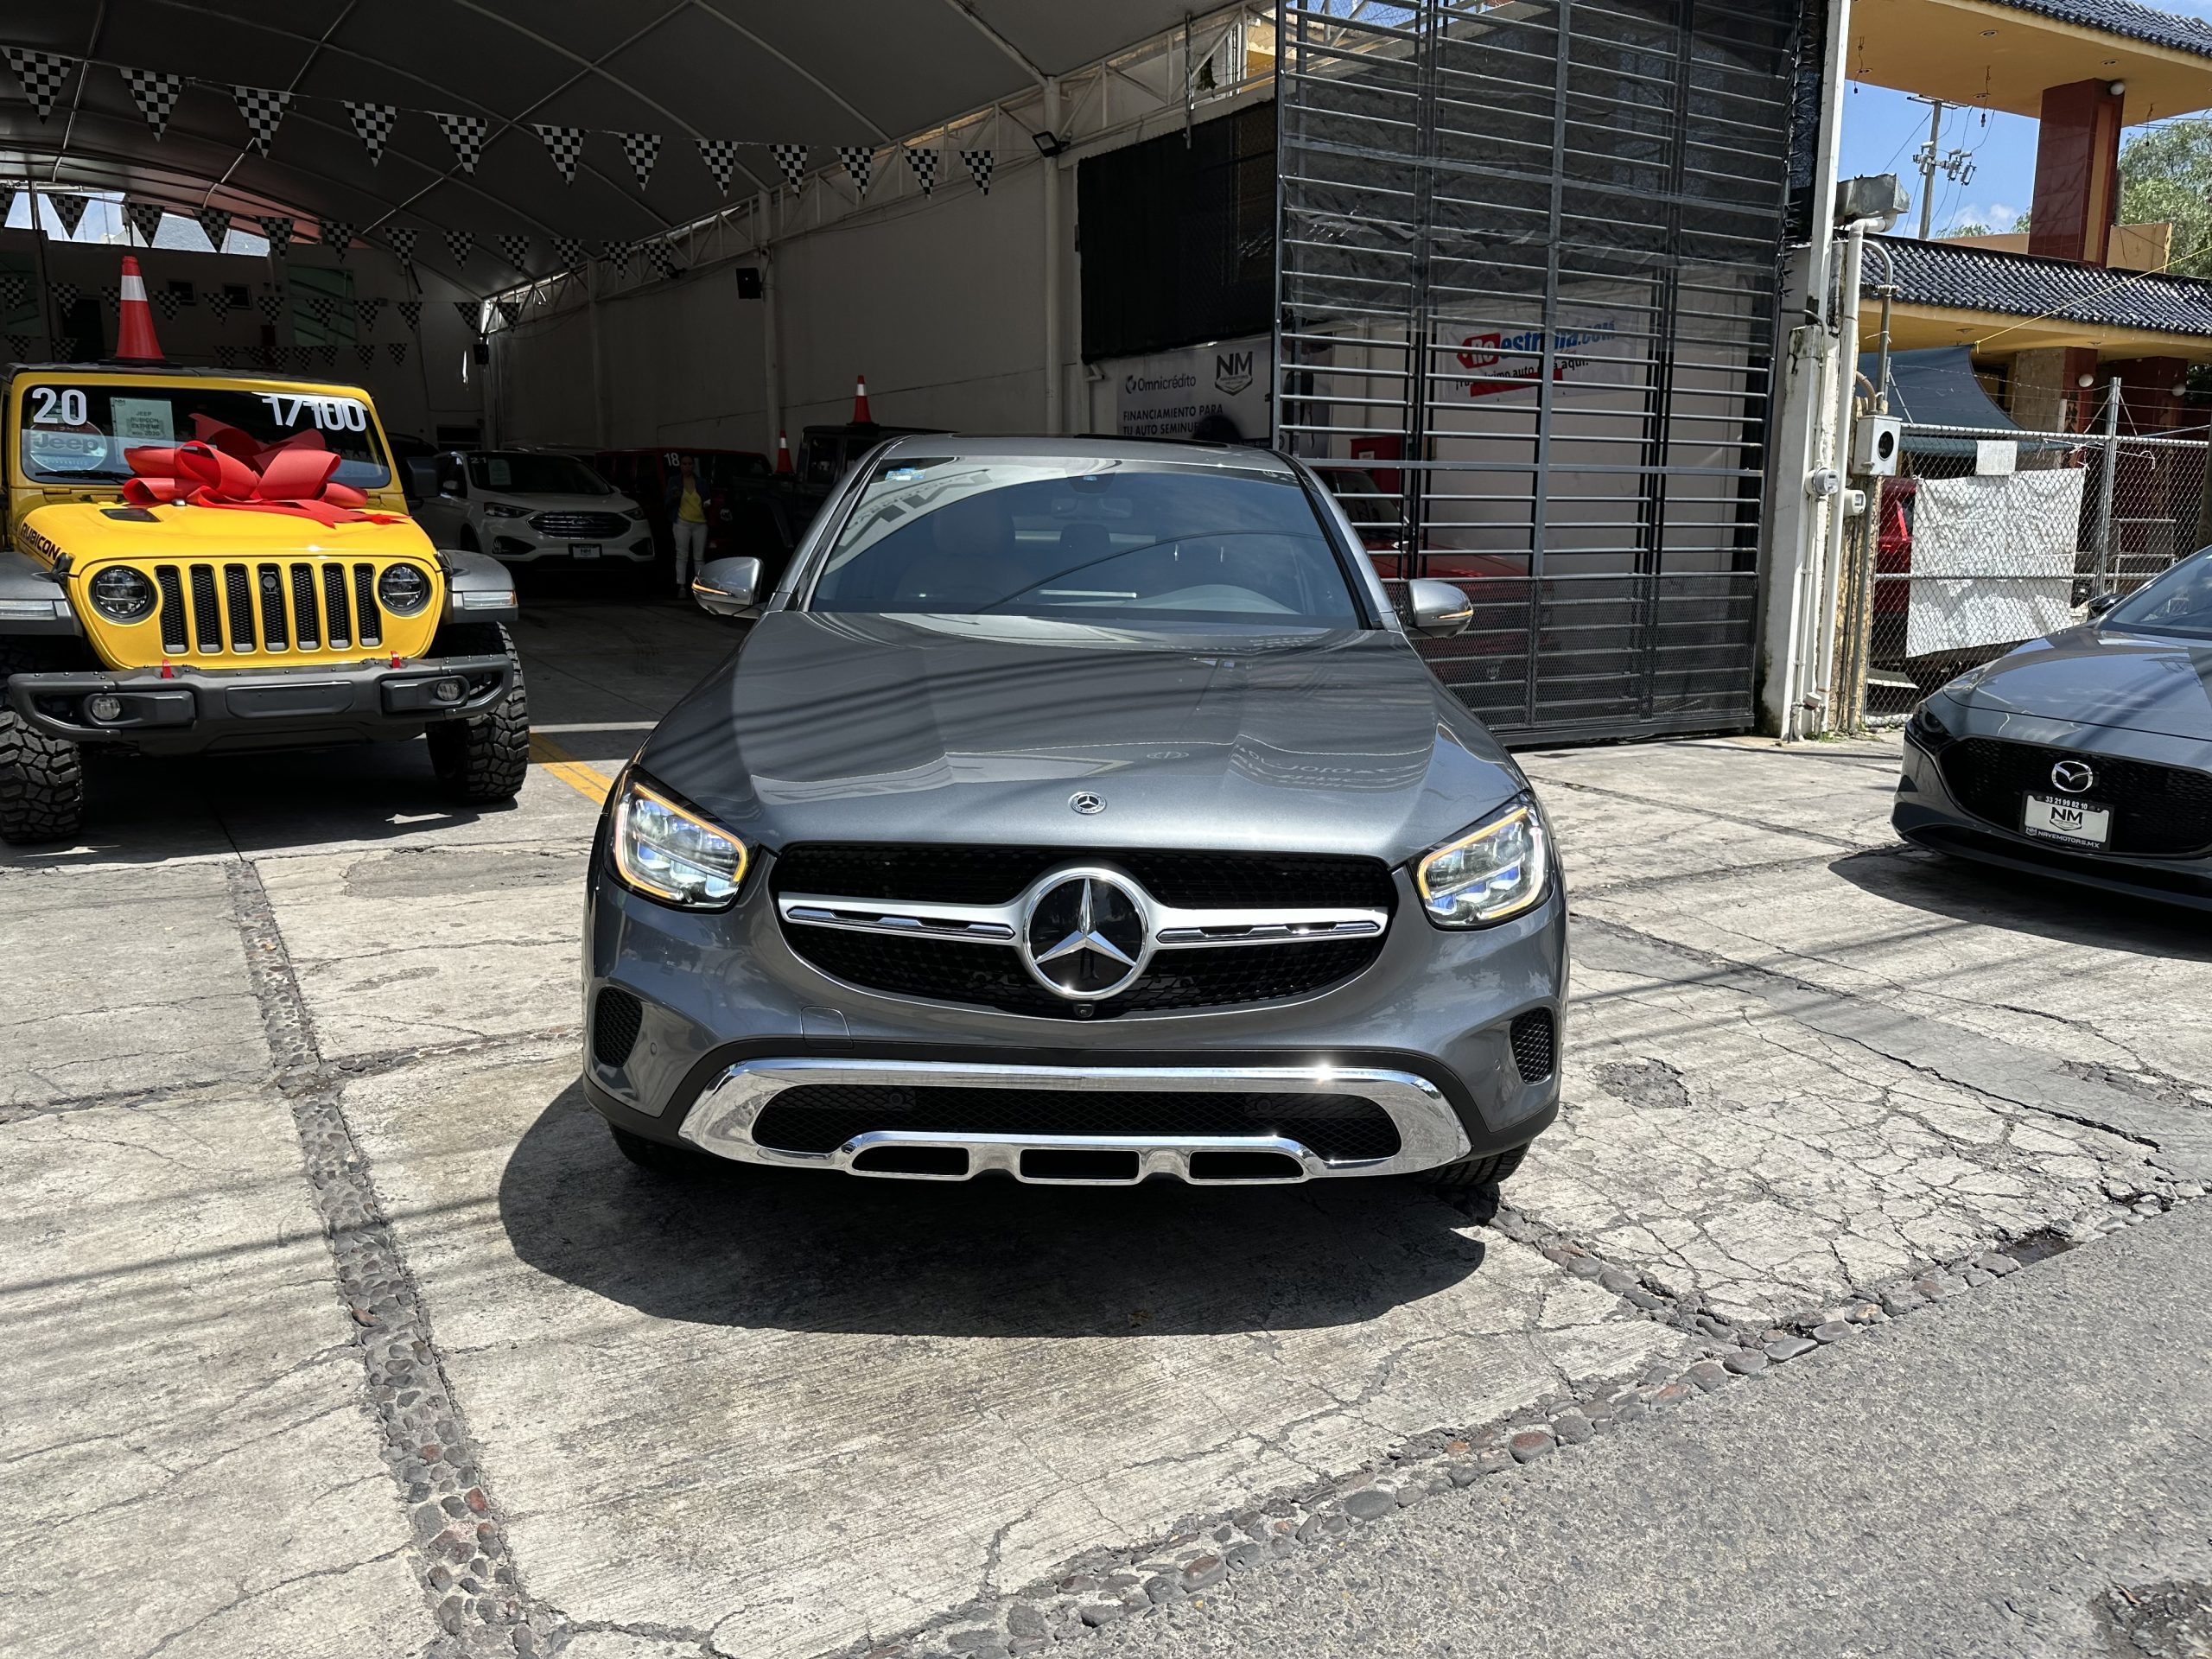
{"x":1136,"y":542}
{"x":2179,"y":601}
{"x":81,"y":431}
{"x":536,"y":475}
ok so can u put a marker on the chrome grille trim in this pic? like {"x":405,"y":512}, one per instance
{"x":1172,"y":929}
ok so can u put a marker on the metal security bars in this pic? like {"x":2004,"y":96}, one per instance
{"x":1986,"y":539}
{"x":1526,"y":318}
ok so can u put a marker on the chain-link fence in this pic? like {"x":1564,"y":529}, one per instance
{"x":1985,"y":540}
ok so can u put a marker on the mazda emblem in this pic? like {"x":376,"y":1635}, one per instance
{"x":2075,"y":776}
{"x":1085,"y":803}
{"x":1084,"y":936}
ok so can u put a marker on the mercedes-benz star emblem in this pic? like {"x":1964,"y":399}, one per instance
{"x":1085,"y":803}
{"x":1085,"y":937}
{"x":2075,"y":776}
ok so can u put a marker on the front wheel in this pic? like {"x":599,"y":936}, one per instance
{"x":483,"y":760}
{"x":41,"y":783}
{"x":1485,"y":1171}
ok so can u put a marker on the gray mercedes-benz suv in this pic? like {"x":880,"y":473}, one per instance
{"x":1077,"y":809}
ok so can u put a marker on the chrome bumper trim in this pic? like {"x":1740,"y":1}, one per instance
{"x":1429,"y":1131}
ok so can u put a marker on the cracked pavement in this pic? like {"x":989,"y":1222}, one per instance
{"x":338,"y":1326}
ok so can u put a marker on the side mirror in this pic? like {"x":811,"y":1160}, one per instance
{"x":2100,"y":603}
{"x":727,"y":587}
{"x":1440,"y":610}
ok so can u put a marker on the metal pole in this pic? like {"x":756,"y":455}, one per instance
{"x":598,"y":370}
{"x":1052,"y":188}
{"x":38,"y":256}
{"x":1928,"y":165}
{"x":772,"y":356}
{"x":2104,"y":484}
{"x":1821,"y":671}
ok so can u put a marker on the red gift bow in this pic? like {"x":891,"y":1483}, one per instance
{"x":225,"y":467}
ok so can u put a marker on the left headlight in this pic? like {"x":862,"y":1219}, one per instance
{"x":402,"y":590}
{"x":635,"y":515}
{"x":121,"y":594}
{"x":668,"y":854}
{"x":1487,"y":874}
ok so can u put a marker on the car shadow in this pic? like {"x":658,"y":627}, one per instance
{"x":800,"y":1251}
{"x":1987,"y":895}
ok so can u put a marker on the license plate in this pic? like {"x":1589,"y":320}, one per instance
{"x":2079,"y":823}
{"x":583,"y":549}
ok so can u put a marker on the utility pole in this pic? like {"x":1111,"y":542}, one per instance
{"x":1930,"y":160}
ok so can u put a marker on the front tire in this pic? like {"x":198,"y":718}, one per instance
{"x":41,"y":777}
{"x":482,"y":760}
{"x":1485,"y":1171}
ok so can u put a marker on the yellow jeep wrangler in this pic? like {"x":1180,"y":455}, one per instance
{"x":203,"y":561}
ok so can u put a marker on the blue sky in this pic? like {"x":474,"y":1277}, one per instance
{"x":1883,"y":129}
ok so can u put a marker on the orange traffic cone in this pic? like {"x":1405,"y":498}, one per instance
{"x":783,"y":453}
{"x":134,"y":338}
{"x":860,"y":416}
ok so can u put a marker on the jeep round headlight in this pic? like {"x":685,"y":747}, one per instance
{"x":403,"y":590}
{"x":667,"y":854}
{"x":1487,"y":874}
{"x":121,"y":595}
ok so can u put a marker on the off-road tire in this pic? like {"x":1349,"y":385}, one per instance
{"x":41,"y":777}
{"x":657,"y":1158}
{"x":484,"y":758}
{"x":1486,"y":1171}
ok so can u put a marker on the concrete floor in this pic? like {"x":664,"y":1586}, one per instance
{"x":773,"y":1415}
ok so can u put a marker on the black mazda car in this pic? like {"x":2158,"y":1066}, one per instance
{"x":2087,"y":754}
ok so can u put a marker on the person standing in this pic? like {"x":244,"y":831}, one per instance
{"x":687,"y":524}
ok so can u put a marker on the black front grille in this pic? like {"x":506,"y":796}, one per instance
{"x":952,"y":971}
{"x":821,"y":1117}
{"x":580,"y":526}
{"x":2158,"y":812}
{"x":1534,"y":1050}
{"x":993,"y":875}
{"x":616,"y":1019}
{"x":209,"y":610}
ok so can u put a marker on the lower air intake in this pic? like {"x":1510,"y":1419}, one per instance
{"x":616,"y":1017}
{"x":1534,"y":1045}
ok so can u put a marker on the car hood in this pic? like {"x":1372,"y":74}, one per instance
{"x":531,"y":502}
{"x":2141,"y":681}
{"x":967,"y":729}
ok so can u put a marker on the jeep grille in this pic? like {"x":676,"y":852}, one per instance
{"x":295,"y":610}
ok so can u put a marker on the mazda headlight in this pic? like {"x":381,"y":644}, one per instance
{"x":402,"y":590}
{"x":503,"y":510}
{"x":666,"y":853}
{"x":121,"y":595}
{"x":1487,"y":874}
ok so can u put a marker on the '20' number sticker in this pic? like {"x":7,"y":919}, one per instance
{"x":50,"y":407}
{"x":328,"y":414}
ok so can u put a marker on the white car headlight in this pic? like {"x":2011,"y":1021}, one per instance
{"x":1487,"y":874}
{"x":503,"y":510}
{"x":668,"y":854}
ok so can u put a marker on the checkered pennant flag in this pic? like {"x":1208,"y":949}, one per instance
{"x":336,"y":235}
{"x":228,"y":356}
{"x":661,"y":255}
{"x":571,"y":252}
{"x":515,"y":250}
{"x":397,"y":351}
{"x":65,"y":295}
{"x":214,"y":225}
{"x":329,"y":354}
{"x":510,"y":311}
{"x":565,"y":145}
{"x":616,"y":254}
{"x":466,"y":134}
{"x":472,"y":313}
{"x":42,"y":74}
{"x":263,"y":109}
{"x":156,"y":92}
{"x":277,"y":227}
{"x":70,"y":210}
{"x":19,"y":347}
{"x":401,"y":238}
{"x":366,"y":354}
{"x":322,"y":305}
{"x":144,"y":217}
{"x":720,"y":157}
{"x":643,"y":149}
{"x":272,"y":306}
{"x":368,"y":311}
{"x":372,"y":125}
{"x":7,"y":201}
{"x":978,"y":163}
{"x":923,"y":162}
{"x":459,"y":243}
{"x":792,"y":159}
{"x":860,"y":162}
{"x":12,"y":290}
{"x":410,"y":313}
{"x":170,"y":302}
{"x":112,"y":297}
{"x":219,"y":302}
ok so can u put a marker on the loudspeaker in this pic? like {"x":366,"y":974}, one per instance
{"x":749,"y":282}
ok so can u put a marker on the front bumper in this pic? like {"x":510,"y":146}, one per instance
{"x":728,"y":1016}
{"x":1927,"y":814}
{"x":515,"y":542}
{"x":192,"y":709}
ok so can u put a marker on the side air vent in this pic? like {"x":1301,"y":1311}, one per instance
{"x":1533,"y":1044}
{"x":616,"y":1018}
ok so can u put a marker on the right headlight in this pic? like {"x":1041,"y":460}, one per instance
{"x":122,"y":594}
{"x":1488,"y":874}
{"x":402,"y":590}
{"x":667,"y":853}
{"x":505,"y":510}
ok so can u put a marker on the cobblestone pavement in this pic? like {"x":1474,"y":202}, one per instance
{"x":338,"y":1326}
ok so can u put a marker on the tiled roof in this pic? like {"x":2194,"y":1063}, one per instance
{"x":2019,"y":285}
{"x":2125,"y":18}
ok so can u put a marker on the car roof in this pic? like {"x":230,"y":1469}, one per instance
{"x":1243,"y":457}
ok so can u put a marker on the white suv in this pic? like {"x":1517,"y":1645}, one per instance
{"x":523,"y":506}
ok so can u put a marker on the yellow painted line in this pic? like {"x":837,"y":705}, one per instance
{"x":587,"y":780}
